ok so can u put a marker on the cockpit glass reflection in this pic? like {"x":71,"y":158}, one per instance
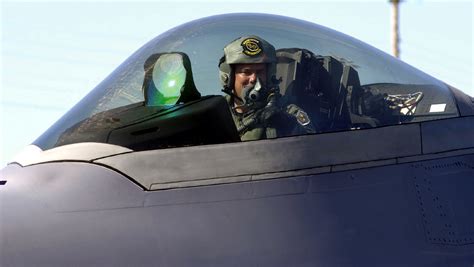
{"x":168,"y":79}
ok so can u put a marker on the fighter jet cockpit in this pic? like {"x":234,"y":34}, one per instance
{"x":169,"y":93}
{"x":223,"y":140}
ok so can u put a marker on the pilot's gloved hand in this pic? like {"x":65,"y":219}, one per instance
{"x":262,"y":117}
{"x":268,"y":113}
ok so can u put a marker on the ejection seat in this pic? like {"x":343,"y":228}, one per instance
{"x":326,"y":88}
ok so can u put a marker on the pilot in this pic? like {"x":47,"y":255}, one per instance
{"x":247,"y":73}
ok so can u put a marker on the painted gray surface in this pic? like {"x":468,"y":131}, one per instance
{"x":367,"y":217}
{"x":73,"y":152}
{"x":447,"y":220}
{"x":446,"y":135}
{"x":441,"y":155}
{"x":195,"y":166}
{"x":464,"y":102}
{"x":267,"y":156}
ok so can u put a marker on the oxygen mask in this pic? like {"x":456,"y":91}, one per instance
{"x":253,"y":94}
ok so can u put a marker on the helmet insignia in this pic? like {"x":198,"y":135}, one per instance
{"x":251,"y":47}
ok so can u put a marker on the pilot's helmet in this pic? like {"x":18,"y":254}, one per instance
{"x":247,"y":50}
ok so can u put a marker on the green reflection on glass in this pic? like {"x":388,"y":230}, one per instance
{"x":168,"y":78}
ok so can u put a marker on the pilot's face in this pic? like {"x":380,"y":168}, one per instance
{"x":247,"y":74}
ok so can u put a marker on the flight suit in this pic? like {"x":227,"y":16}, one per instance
{"x":271,"y":122}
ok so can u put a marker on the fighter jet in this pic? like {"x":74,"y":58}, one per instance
{"x":149,"y":169}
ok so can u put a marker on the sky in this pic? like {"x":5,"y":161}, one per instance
{"x":54,"y":52}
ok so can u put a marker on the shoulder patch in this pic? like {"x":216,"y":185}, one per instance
{"x":302,"y":117}
{"x":251,"y":47}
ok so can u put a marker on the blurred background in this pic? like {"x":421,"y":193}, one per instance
{"x":53,"y":53}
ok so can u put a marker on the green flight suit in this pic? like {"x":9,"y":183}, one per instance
{"x":268,"y":123}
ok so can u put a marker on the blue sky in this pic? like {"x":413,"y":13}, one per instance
{"x":54,"y":52}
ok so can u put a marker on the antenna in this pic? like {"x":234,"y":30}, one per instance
{"x":395,"y":28}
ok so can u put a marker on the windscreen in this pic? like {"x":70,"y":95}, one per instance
{"x":319,"y":81}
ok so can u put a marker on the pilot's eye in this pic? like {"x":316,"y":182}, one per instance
{"x":247,"y":72}
{"x":258,"y":73}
